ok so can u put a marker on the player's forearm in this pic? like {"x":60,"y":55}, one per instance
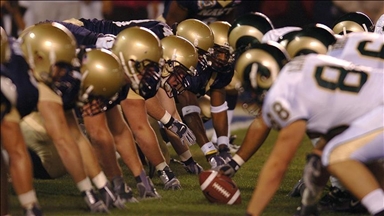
{"x":269,"y":180}
{"x":254,"y":138}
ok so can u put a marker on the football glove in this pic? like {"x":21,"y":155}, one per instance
{"x":105,"y":41}
{"x":182,"y":130}
{"x":229,"y":169}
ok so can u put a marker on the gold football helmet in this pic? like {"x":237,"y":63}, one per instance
{"x":353,"y":22}
{"x":248,"y":29}
{"x":257,"y":68}
{"x":221,"y":57}
{"x":180,"y":58}
{"x":311,"y":39}
{"x":5,"y":49}
{"x":140,"y":53}
{"x":102,"y":79}
{"x":196,"y":32}
{"x":47,"y":45}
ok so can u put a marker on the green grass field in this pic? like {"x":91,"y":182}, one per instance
{"x":60,"y":196}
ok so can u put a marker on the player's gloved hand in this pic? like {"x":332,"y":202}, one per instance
{"x":105,"y":41}
{"x":312,"y":172}
{"x":229,"y":169}
{"x":182,"y":130}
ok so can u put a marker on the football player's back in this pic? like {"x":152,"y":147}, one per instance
{"x":326,"y":91}
{"x":361,"y":48}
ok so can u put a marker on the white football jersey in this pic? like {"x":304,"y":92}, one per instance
{"x":361,"y":48}
{"x":325,"y":91}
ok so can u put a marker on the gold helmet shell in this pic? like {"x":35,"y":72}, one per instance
{"x":140,"y":53}
{"x":311,"y":39}
{"x":257,"y":68}
{"x":46,"y":44}
{"x":181,"y":59}
{"x":138,"y":44}
{"x":102,"y":74}
{"x":248,"y":29}
{"x":5,"y":49}
{"x":353,"y":22}
{"x":178,"y":49}
{"x":220,"y":31}
{"x":196,"y":32}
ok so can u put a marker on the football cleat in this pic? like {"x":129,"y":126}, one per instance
{"x":193,"y":168}
{"x":168,"y":178}
{"x":215,"y":161}
{"x":123,"y":191}
{"x":94,"y":204}
{"x":298,"y":189}
{"x":147,"y":191}
{"x":34,"y":210}
{"x":338,"y":200}
{"x":110,"y":198}
{"x":310,"y":210}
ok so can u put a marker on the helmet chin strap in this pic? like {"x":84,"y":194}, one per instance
{"x":365,"y":27}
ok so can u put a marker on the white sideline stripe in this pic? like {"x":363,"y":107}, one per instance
{"x":208,"y":180}
{"x":234,"y":198}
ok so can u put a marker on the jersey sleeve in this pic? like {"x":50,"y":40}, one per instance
{"x":82,"y":35}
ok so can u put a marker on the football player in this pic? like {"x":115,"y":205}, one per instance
{"x":279,"y":113}
{"x":50,"y":49}
{"x":212,"y":77}
{"x":359,"y":47}
{"x":19,"y":96}
{"x":107,"y":130}
{"x":338,"y":198}
{"x":176,"y":11}
{"x":133,"y":109}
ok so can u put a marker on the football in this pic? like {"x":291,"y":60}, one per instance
{"x":219,"y":188}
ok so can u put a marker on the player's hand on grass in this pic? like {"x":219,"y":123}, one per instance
{"x":182,"y":130}
{"x":229,"y":169}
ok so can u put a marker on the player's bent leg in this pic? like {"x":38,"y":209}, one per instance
{"x":126,"y":147}
{"x":136,"y":115}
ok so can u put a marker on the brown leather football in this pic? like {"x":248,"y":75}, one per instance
{"x":219,"y":188}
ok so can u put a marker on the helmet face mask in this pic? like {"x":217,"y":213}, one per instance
{"x":150,"y":78}
{"x":175,"y":83}
{"x":94,"y":106}
{"x":221,"y":59}
{"x":181,"y":59}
